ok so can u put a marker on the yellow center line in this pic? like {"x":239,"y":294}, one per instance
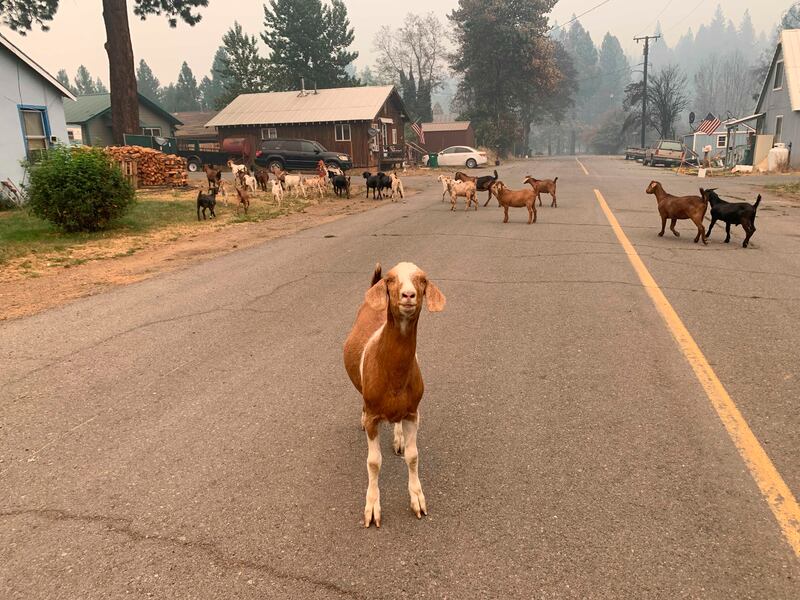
{"x":777,"y":494}
{"x":580,"y":164}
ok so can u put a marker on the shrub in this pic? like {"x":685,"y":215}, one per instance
{"x":78,"y":190}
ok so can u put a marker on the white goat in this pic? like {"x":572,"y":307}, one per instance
{"x":277,"y":192}
{"x":250,"y":183}
{"x":397,"y":185}
{"x":294,"y":182}
{"x":236,"y":169}
{"x":446,"y":183}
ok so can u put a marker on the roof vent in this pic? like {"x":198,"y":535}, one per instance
{"x":302,"y":87}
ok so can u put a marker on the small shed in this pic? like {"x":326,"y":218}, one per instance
{"x":439,"y":136}
{"x":725,"y":138}
{"x":32,"y":111}
{"x":368,"y":123}
{"x":90,"y":118}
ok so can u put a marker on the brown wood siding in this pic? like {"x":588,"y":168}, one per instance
{"x":436,"y":141}
{"x":325,"y":133}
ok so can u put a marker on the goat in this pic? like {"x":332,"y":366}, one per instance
{"x":341,"y":185}
{"x":277,"y":192}
{"x":248,"y":181}
{"x":244,"y":199}
{"x":397,"y":186}
{"x":381,"y":361}
{"x":320,"y":183}
{"x":236,"y":169}
{"x":731,"y":213}
{"x":515,"y":199}
{"x":373,"y":183}
{"x":294,"y":182}
{"x":465,"y":189}
{"x":262,"y":178}
{"x":548,"y":186}
{"x":446,"y":183}
{"x":679,"y":207}
{"x":384,"y":182}
{"x":206,"y":202}
{"x":214,"y":176}
{"x":333,"y":171}
{"x":482,"y":184}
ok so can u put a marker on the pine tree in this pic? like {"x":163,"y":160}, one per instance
{"x":613,"y":74}
{"x":186,"y":91}
{"x":147,"y":83}
{"x":212,"y":88}
{"x":239,"y":65}
{"x":308,"y":40}
{"x":83,"y":82}
{"x":100,"y":87}
{"x":63,"y":79}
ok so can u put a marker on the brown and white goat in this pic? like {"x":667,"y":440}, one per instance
{"x":463,"y":189}
{"x":380,"y":356}
{"x":515,"y":199}
{"x":547,"y":186}
{"x":679,"y":207}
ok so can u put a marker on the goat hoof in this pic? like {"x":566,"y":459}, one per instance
{"x":661,"y":234}
{"x":372,"y":512}
{"x":677,"y":234}
{"x":418,"y":504}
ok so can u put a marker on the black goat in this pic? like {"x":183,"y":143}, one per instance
{"x":341,"y":185}
{"x":482,"y":184}
{"x":374,"y":184}
{"x":384,"y":182}
{"x":732,"y":213}
{"x":206,"y":202}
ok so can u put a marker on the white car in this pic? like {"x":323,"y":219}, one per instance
{"x":462,"y":156}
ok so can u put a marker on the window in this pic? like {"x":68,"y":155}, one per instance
{"x":394,"y":136}
{"x":34,"y":129}
{"x":293,"y":146}
{"x":307,"y":147}
{"x":722,"y":141}
{"x":269,"y":133}
{"x":151,"y":131}
{"x":778,"y":75}
{"x":674,"y":146}
{"x":778,"y":128}
{"x":343,"y":133}
{"x":384,"y":134}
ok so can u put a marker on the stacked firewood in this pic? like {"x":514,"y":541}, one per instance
{"x":153,"y":167}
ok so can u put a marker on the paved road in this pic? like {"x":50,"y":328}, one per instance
{"x":195,"y":435}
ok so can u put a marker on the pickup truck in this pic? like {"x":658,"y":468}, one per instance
{"x":664,"y":152}
{"x":632,"y":153}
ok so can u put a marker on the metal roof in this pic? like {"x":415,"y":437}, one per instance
{"x":86,"y":108}
{"x":287,"y":108}
{"x":35,"y":66}
{"x":194,"y":124}
{"x":451,"y":126}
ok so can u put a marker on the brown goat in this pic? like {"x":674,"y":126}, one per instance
{"x":548,"y":186}
{"x":380,"y":356}
{"x":679,"y":207}
{"x":515,"y":199}
{"x":244,"y":199}
{"x":214,"y":177}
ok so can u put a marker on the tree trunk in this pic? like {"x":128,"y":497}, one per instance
{"x":122,"y":74}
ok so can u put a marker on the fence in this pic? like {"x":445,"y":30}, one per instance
{"x":129,"y":170}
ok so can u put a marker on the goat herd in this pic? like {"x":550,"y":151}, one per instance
{"x":278,"y":182}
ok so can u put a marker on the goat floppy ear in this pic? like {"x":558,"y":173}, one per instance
{"x":434,"y":298}
{"x":377,"y":297}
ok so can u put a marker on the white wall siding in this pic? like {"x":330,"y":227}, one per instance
{"x":22,"y":86}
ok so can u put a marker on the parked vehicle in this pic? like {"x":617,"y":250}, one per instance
{"x":300,"y":155}
{"x":204,"y":152}
{"x":633,"y":153}
{"x":458,"y":156}
{"x":668,"y":153}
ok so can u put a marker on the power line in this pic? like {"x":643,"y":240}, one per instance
{"x":689,"y":14}
{"x":663,"y":10}
{"x":573,"y":19}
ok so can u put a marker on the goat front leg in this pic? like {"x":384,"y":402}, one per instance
{"x":663,"y":226}
{"x":372,"y":508}
{"x":672,"y":227}
{"x":412,"y":461}
{"x":727,"y":232}
{"x":398,"y":443}
{"x":710,"y":227}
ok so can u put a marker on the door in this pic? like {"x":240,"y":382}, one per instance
{"x":448,"y":158}
{"x":293,"y":154}
{"x":309,"y":155}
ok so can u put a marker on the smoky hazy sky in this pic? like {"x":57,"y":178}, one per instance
{"x":77,"y":34}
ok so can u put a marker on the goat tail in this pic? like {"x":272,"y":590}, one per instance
{"x":496,"y":176}
{"x":758,"y":201}
{"x":376,"y":275}
{"x":555,"y":180}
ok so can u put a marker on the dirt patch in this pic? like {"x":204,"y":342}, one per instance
{"x":35,"y":283}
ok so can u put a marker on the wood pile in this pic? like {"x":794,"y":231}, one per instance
{"x":154,"y":168}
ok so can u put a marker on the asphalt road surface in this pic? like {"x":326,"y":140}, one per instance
{"x":196,"y":436}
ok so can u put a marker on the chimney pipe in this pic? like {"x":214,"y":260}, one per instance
{"x":315,"y":88}
{"x":302,"y":86}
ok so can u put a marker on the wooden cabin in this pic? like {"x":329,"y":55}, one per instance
{"x":439,"y":136}
{"x":368,"y":123}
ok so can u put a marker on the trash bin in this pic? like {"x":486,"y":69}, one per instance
{"x":433,"y":161}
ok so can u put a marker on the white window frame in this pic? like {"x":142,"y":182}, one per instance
{"x":778,"y":85}
{"x":778,"y":135}
{"x":394,"y":136}
{"x":151,"y":131}
{"x":723,"y":137}
{"x":384,"y":134}
{"x":42,"y":112}
{"x":340,"y":130}
{"x":269,"y":133}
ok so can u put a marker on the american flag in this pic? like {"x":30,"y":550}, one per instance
{"x":709,"y":124}
{"x":417,"y":127}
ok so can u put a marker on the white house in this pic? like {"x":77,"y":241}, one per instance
{"x":31,"y":110}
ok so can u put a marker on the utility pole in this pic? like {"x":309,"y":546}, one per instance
{"x":646,"y":39}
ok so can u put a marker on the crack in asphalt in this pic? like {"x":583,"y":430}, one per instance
{"x":124,"y":527}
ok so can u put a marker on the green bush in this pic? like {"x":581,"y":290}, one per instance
{"x":78,"y":190}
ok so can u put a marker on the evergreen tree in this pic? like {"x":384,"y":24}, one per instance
{"x":100,"y":87}
{"x":147,"y":83}
{"x":310,"y":40}
{"x":239,"y":66}
{"x":63,"y":79}
{"x":613,"y":74}
{"x":212,"y":88}
{"x":83,"y":83}
{"x":367,"y":77}
{"x":187,"y":94}
{"x":169,"y":98}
